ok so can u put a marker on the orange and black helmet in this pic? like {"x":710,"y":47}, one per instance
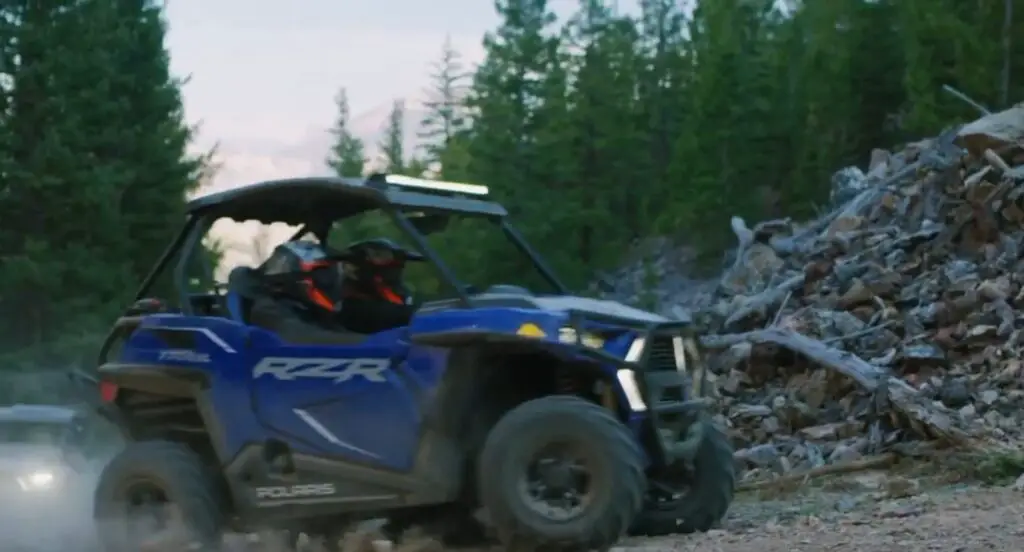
{"x":374,"y":269}
{"x":304,"y":271}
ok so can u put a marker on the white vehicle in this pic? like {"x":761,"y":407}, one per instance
{"x":44,"y":486}
{"x":39,"y":448}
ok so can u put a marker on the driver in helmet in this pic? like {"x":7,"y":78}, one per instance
{"x":374,"y":291}
{"x":304,"y":295}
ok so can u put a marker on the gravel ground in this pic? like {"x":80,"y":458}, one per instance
{"x":869,"y":512}
{"x":949,"y":519}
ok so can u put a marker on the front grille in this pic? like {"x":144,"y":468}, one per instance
{"x":662,"y":356}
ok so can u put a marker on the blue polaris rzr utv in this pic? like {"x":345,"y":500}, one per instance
{"x":544,"y":420}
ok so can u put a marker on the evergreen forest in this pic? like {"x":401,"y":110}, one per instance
{"x":596,"y":131}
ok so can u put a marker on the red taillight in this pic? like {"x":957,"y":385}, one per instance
{"x":108,"y":391}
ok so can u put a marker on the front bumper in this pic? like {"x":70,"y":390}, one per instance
{"x":663,"y":379}
{"x":43,"y":521}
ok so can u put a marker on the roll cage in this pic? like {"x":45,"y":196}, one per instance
{"x":314,"y":204}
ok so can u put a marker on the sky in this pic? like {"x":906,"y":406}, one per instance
{"x":263,"y":74}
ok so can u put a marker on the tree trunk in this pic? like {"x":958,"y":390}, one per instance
{"x":1004,"y":89}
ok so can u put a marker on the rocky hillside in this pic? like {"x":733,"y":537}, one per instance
{"x":891,"y":326}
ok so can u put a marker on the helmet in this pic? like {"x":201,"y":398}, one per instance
{"x":304,"y":271}
{"x":374,"y":269}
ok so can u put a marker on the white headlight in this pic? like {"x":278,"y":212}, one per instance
{"x":569,"y":335}
{"x":627,"y":380}
{"x":39,"y":480}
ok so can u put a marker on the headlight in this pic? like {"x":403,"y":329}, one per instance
{"x":569,"y":335}
{"x":37,"y":481}
{"x":627,"y":380}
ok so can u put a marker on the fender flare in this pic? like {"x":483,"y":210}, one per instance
{"x":167,"y":380}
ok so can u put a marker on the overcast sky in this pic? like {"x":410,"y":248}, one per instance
{"x":264,"y":74}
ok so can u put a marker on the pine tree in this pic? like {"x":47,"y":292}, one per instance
{"x":98,"y":163}
{"x":508,"y":89}
{"x":10,"y":236}
{"x":664,"y":73}
{"x":518,"y":138}
{"x":61,"y":202}
{"x":392,"y":146}
{"x":347,"y":156}
{"x":947,"y":42}
{"x":154,"y":136}
{"x":417,"y":167}
{"x":664,"y":70}
{"x":878,"y":61}
{"x":605,"y":143}
{"x":445,"y":117}
{"x":725,"y":146}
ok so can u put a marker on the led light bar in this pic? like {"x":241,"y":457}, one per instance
{"x":437,"y":185}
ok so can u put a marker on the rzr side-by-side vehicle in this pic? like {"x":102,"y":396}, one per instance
{"x":544,"y":420}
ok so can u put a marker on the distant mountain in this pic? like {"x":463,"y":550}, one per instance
{"x":243,"y":162}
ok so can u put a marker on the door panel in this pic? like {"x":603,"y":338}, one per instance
{"x":344,"y":401}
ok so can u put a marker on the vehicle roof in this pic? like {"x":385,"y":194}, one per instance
{"x":302,"y":200}
{"x":42,"y":413}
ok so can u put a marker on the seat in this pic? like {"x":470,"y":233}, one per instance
{"x":290,"y":325}
{"x":249,"y":301}
{"x":244,"y":285}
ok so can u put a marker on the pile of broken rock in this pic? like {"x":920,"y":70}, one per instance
{"x":892,"y":325}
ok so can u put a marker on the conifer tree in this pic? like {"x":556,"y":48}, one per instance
{"x":347,"y":156}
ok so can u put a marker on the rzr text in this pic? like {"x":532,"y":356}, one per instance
{"x":337,"y":369}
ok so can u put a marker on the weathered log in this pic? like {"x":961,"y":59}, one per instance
{"x":909,"y":408}
{"x":864,"y":464}
{"x":759,"y":305}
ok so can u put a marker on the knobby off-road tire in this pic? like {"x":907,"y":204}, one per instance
{"x":707,"y":500}
{"x":614,"y":462}
{"x":190,"y":489}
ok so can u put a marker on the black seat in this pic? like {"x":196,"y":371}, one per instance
{"x":249,"y":288}
{"x":245,"y":284}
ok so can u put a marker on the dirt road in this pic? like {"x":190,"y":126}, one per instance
{"x":870,"y":512}
{"x":947,"y":519}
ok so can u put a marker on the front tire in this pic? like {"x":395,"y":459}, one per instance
{"x":520,"y":479}
{"x":710,"y":487}
{"x":186,"y":505}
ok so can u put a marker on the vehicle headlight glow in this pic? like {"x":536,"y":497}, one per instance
{"x":37,"y":481}
{"x":570,"y":335}
{"x":627,"y":377}
{"x":627,"y":380}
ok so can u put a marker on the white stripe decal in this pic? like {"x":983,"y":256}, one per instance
{"x":205,"y":331}
{"x":326,"y":433}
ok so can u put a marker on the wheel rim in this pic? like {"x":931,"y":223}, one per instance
{"x":666,"y":490}
{"x":557,"y":483}
{"x":150,"y":518}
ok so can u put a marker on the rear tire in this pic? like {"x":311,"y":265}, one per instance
{"x":615,"y":482}
{"x":710,"y":491}
{"x":191,"y":495}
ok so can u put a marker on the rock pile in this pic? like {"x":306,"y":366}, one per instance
{"x":894,"y":321}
